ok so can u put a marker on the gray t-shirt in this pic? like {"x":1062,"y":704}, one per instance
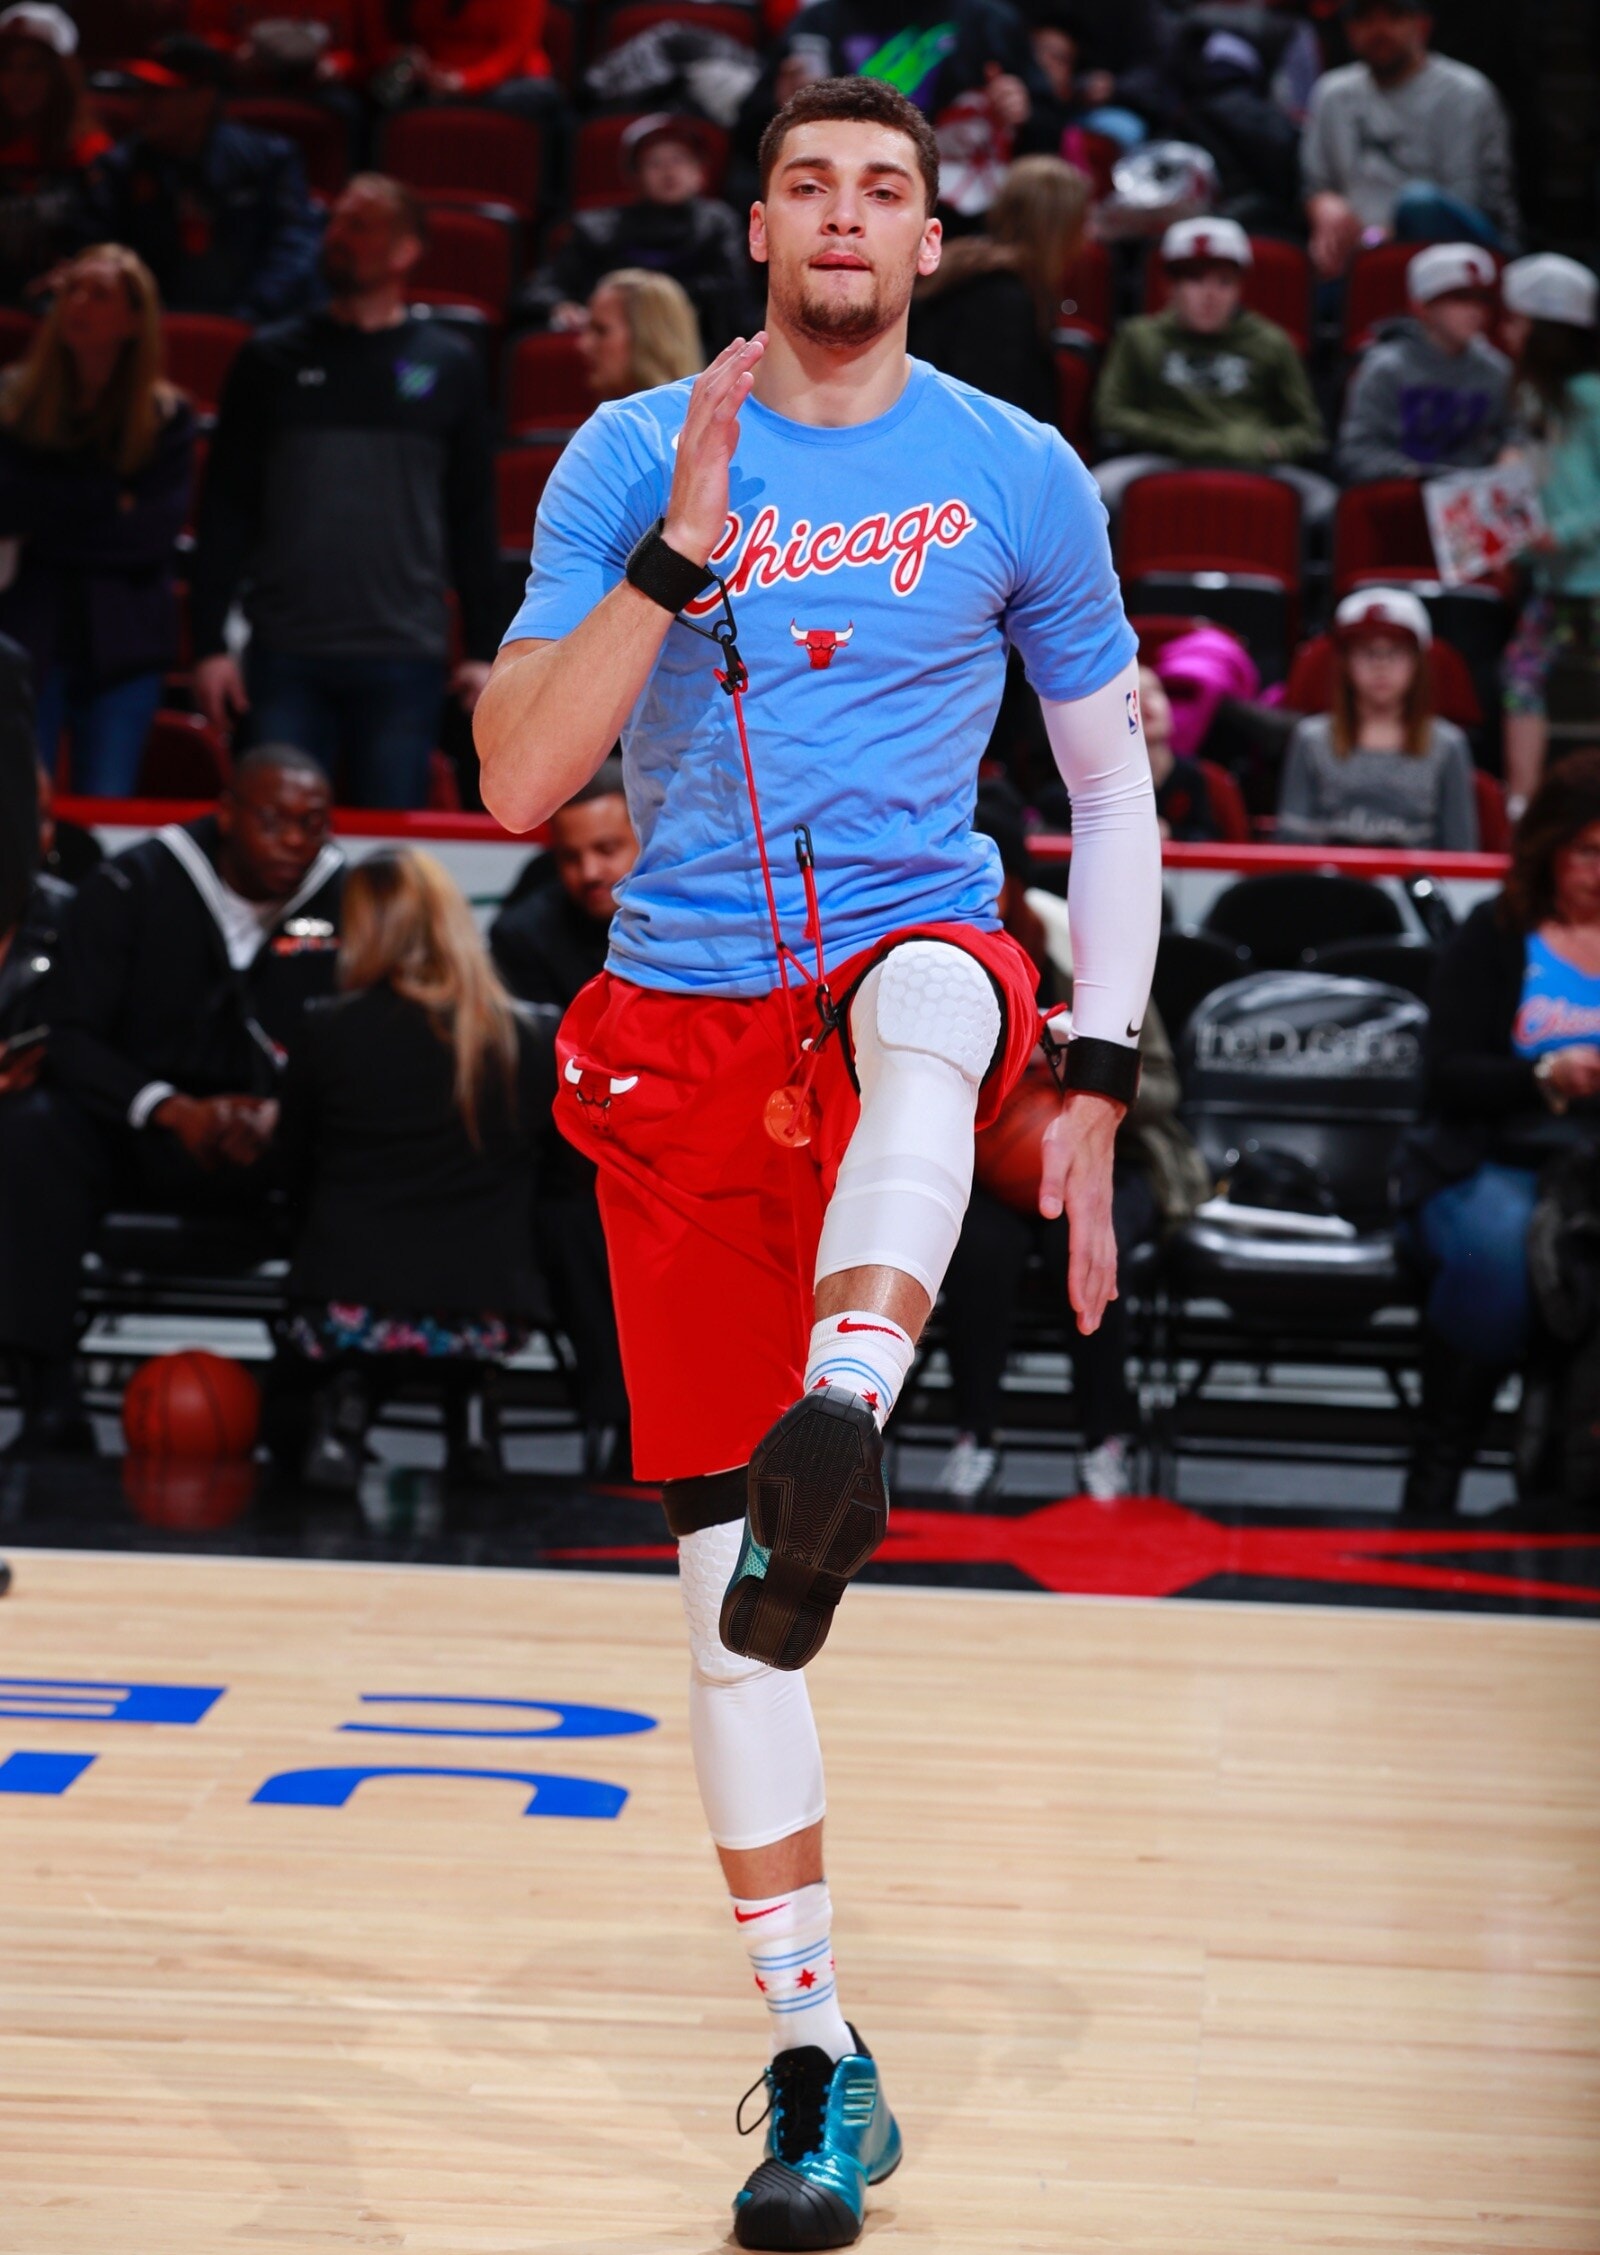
{"x":1445,"y":125}
{"x":1378,"y":798}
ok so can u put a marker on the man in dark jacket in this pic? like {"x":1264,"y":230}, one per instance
{"x":547,"y":942}
{"x":217,"y":211}
{"x":673,"y":228}
{"x":350,"y":486}
{"x":182,"y":970}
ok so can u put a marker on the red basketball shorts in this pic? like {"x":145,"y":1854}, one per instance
{"x":711,"y":1226}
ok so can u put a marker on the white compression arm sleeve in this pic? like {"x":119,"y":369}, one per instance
{"x":1114,"y":899}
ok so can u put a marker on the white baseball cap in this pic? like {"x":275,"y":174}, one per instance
{"x":38,"y":19}
{"x":1383,"y":610}
{"x":1552,"y":288}
{"x":1444,"y":267}
{"x":1194,"y":239}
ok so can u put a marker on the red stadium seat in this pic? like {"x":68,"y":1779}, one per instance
{"x":17,"y":332}
{"x":1100,"y":152}
{"x":1229,"y":816}
{"x":627,"y":20}
{"x":1278,"y":285}
{"x":1156,"y":629}
{"x":466,"y":156}
{"x":1074,"y":390}
{"x":545,"y":385}
{"x":444,"y":786}
{"x":1381,"y":532}
{"x":561,"y":43}
{"x":200,"y":351}
{"x":1310,"y":685}
{"x":184,"y":758}
{"x":321,"y":137}
{"x":1494,"y":824}
{"x":599,"y":176}
{"x":1086,"y":298}
{"x":521,"y":474}
{"x":470,"y":259}
{"x":1225,"y":543}
{"x":1376,"y":290}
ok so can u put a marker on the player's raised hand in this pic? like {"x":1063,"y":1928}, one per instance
{"x":698,"y":507}
{"x":1076,"y":1180}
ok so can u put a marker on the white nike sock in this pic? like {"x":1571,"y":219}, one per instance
{"x":791,"y":1956}
{"x":866,"y":1352}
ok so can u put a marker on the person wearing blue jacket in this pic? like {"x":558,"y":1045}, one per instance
{"x":218,"y":211}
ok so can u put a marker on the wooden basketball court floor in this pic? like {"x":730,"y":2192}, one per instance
{"x":1181,"y":1929}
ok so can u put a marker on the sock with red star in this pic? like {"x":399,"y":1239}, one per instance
{"x":791,"y":1956}
{"x":865,"y":1352}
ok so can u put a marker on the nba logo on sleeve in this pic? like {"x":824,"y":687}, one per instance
{"x":1133,"y":712}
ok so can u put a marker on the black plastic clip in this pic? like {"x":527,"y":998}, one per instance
{"x":734,"y":675}
{"x":1055,"y":1054}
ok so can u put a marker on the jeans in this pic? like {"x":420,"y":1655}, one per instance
{"x":107,"y":728}
{"x":371,"y":722}
{"x":1474,"y":1238}
{"x":1426,"y":214}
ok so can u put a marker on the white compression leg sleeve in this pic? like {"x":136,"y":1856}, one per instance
{"x":924,"y":1024}
{"x":756,"y":1755}
{"x":1114,"y":901}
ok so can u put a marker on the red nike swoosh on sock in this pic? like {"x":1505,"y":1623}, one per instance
{"x":887,"y":1329}
{"x":745,"y":1916}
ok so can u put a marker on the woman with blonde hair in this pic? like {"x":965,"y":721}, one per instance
{"x":1379,"y":768}
{"x":987,"y":314}
{"x":96,"y":470}
{"x":641,"y":330}
{"x":411,"y":1109}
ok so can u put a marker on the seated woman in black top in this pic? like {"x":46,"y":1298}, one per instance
{"x":1514,"y":1077}
{"x":411,"y":1108}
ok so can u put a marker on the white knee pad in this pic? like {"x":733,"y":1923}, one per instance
{"x":756,"y":1756}
{"x":924,"y":1024}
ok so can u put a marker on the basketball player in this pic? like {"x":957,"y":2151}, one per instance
{"x":884,"y":534}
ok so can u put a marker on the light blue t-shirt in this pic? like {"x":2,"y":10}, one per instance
{"x":878,"y":575}
{"x":1560,"y":1005}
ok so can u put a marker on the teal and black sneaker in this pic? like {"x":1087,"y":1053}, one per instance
{"x":818,"y":1508}
{"x":829,"y":2135}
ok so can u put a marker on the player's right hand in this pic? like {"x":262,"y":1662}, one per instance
{"x":697,"y":509}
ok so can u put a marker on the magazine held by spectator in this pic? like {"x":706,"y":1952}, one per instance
{"x":1482,"y":520}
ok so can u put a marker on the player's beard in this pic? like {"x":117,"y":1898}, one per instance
{"x":807,"y":305}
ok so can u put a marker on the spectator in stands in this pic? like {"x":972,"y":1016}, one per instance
{"x":350,"y":485}
{"x":184,"y":966}
{"x":640,"y":331}
{"x":966,"y":63}
{"x":463,"y":51}
{"x":48,"y":140}
{"x":1057,"y":30}
{"x":29,"y":938}
{"x":1432,"y":394}
{"x":547,"y":942}
{"x":1553,"y":327}
{"x":1183,"y":805}
{"x":1380,"y":769}
{"x":987,"y":314}
{"x":411,"y":1107}
{"x":673,"y":228}
{"x":302,"y":47}
{"x":1207,"y":382}
{"x":1405,"y":143}
{"x":1155,"y":1172}
{"x":96,"y":471}
{"x":217,"y":211}
{"x":1514,"y":1078}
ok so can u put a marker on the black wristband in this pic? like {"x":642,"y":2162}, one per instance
{"x":1103,"y":1068}
{"x":657,"y":570}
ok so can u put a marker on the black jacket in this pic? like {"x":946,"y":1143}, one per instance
{"x":95,"y":580}
{"x":25,"y":970}
{"x":983,"y":332}
{"x":699,"y":244}
{"x":395,"y":1207}
{"x":143,"y":990}
{"x":232,"y":232}
{"x":545,"y":947}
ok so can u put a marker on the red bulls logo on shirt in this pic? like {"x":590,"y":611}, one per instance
{"x":820,"y":642}
{"x":765,"y":557}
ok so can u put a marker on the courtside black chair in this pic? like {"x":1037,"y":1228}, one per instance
{"x":1280,"y":918}
{"x":1189,"y":966}
{"x":1402,"y":962}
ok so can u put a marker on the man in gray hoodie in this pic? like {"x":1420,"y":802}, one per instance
{"x":1432,"y":394}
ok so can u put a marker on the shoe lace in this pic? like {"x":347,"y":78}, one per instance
{"x":797,"y":2101}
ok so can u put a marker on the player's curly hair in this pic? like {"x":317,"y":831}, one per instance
{"x":867,"y":100}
